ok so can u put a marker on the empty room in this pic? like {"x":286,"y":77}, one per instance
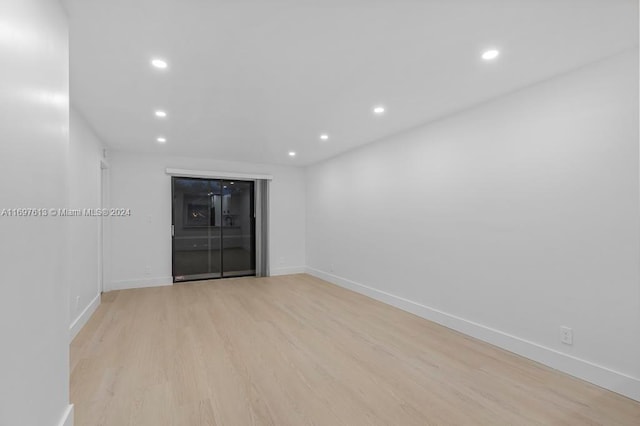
{"x":320,"y":212}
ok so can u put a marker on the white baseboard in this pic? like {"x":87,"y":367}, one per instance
{"x":288,"y":271}
{"x":67,"y":417}
{"x":140,"y":283}
{"x":577,"y":367}
{"x":82,"y":319}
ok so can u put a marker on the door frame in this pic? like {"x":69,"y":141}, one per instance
{"x":252,"y":219}
{"x":103,"y":228}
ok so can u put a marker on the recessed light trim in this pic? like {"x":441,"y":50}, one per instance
{"x":161,"y":114}
{"x":161,"y":139}
{"x":324,"y":137}
{"x":379,"y":110}
{"x":292,"y":154}
{"x":159,"y":63}
{"x":490,"y":55}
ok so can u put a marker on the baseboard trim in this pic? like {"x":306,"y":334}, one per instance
{"x":82,"y":319}
{"x":599,"y":375}
{"x":140,"y":283}
{"x":288,"y":271}
{"x":67,"y":417}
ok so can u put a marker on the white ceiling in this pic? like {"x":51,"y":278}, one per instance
{"x":250,"y":80}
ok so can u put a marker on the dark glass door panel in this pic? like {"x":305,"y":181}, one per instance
{"x":196,"y":229}
{"x":238,"y":230}
{"x":213,"y":228}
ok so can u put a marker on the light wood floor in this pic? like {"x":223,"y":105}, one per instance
{"x":295,"y":350}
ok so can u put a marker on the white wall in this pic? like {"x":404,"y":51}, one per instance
{"x":34,"y":297}
{"x":84,"y":174}
{"x":141,"y":244}
{"x":506,"y":222}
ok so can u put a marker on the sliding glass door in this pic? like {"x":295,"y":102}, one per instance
{"x":238,"y":228}
{"x":213,"y":225}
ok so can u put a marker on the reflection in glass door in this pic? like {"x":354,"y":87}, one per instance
{"x":213,"y":225}
{"x":238,"y":228}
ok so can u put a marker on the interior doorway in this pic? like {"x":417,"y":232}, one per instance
{"x":213,"y":228}
{"x":103,"y":226}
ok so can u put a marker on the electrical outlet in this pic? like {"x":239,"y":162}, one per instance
{"x":566,"y":335}
{"x":147,"y":270}
{"x":282,"y":262}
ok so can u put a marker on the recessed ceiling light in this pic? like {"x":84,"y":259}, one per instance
{"x":324,"y":137}
{"x":161,"y":114}
{"x":490,"y":54}
{"x":379,"y":110}
{"x":292,"y":154}
{"x":231,"y":183}
{"x":159,"y":63}
{"x":161,"y":140}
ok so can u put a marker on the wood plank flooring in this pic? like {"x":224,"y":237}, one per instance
{"x":295,"y":350}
